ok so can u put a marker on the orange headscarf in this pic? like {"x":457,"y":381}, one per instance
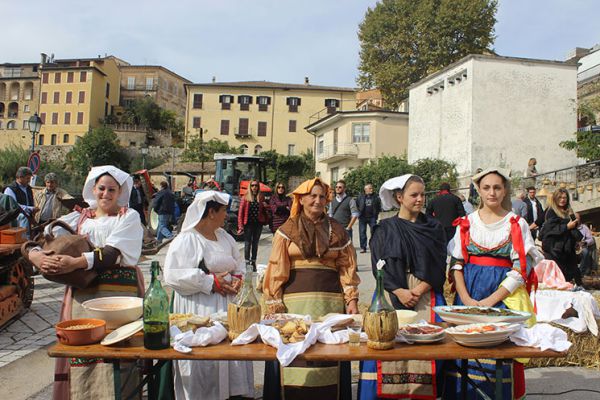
{"x":305,"y":188}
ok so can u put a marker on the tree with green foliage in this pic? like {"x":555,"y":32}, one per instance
{"x":11,"y":158}
{"x":97,"y":147}
{"x":281,"y":167}
{"x":587,"y":143}
{"x":197,"y":151}
{"x":376,"y":172}
{"x":403,"y":41}
{"x":147,"y":113}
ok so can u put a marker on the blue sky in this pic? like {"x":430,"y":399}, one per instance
{"x":276,"y":40}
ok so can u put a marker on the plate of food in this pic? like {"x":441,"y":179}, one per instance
{"x":422,"y":333}
{"x":291,"y":330}
{"x":188,"y":322}
{"x":461,"y":315}
{"x":269,"y":319}
{"x":482,"y":334}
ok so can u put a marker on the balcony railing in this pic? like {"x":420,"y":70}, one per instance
{"x":334,"y":152}
{"x":243,"y":134}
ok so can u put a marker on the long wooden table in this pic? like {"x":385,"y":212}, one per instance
{"x":133,"y":349}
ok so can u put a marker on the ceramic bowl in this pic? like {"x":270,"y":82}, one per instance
{"x":94,"y":331}
{"x":406,"y":316}
{"x":116,"y":311}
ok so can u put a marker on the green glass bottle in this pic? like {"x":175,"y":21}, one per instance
{"x":156,"y":313}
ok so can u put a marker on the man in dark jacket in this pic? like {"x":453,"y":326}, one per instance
{"x":20,"y":190}
{"x":137,"y":200}
{"x":446,"y":207}
{"x":164,"y":205}
{"x":535,"y":212}
{"x":369,"y":207}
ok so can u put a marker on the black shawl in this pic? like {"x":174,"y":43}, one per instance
{"x":417,"y":247}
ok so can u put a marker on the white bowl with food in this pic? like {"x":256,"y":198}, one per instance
{"x":116,"y":310}
{"x":406,"y":317}
{"x":482,"y":334}
{"x":461,"y":315}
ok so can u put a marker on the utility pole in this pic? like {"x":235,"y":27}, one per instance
{"x":201,"y":132}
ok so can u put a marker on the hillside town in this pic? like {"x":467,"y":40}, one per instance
{"x":435,"y":236}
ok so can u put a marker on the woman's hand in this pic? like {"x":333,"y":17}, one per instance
{"x":487,"y":302}
{"x":572,"y":224}
{"x":223,"y":286}
{"x":55,"y":264}
{"x":69,"y":264}
{"x":406,"y":297}
{"x":352,"y":307}
{"x":470,"y":302}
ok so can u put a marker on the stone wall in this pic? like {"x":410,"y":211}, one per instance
{"x":59,"y":153}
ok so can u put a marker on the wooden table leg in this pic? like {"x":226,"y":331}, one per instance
{"x":117,"y":378}
{"x":464,"y":374}
{"x":499,"y":379}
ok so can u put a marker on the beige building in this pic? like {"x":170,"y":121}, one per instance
{"x":258,"y":116}
{"x":349,"y":139}
{"x":19,"y":100}
{"x":164,"y":86}
{"x":75,"y":96}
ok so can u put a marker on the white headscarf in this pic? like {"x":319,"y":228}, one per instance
{"x":195,"y":211}
{"x":386,"y":192}
{"x":122,"y":178}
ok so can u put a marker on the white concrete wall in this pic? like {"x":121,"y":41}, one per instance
{"x":503,"y":113}
{"x":439,"y":124}
{"x":522,"y":110}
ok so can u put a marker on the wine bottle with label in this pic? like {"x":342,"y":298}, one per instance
{"x":156,"y":313}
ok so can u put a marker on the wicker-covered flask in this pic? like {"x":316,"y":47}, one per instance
{"x":244,"y":310}
{"x":380,"y":322}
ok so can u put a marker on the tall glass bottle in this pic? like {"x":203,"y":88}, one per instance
{"x":156,"y":313}
{"x":245,"y":309}
{"x":381,"y":322}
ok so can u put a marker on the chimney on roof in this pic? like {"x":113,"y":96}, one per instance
{"x":214,"y":79}
{"x":577,"y":53}
{"x":44,"y":58}
{"x":306,"y":81}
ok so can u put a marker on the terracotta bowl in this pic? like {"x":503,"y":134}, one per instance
{"x":82,"y":336}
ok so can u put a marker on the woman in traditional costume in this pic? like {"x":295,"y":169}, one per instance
{"x":312,"y":270}
{"x":117,"y":233}
{"x":204,"y":267}
{"x":413,"y":247}
{"x":492,"y":258}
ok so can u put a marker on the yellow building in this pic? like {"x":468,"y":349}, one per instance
{"x":19,"y":98}
{"x":161,"y":84}
{"x":349,"y":139}
{"x":258,"y":115}
{"x":75,"y":96}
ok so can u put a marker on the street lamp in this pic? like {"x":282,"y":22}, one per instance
{"x":35,"y":124}
{"x":144,"y":151}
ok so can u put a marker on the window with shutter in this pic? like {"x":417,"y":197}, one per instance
{"x":80,"y":118}
{"x":53,"y":139}
{"x":57,"y":77}
{"x":196,"y":123}
{"x":292,"y":125}
{"x":54,"y":118}
{"x":66,"y":138}
{"x":107,"y":89}
{"x":43,"y":117}
{"x":197,"y":101}
{"x":45,"y":77}
{"x":243,"y":127}
{"x":69,"y":97}
{"x":44,"y":97}
{"x":67,"y":118}
{"x":82,"y":97}
{"x":83,"y":76}
{"x":224,"y":127}
{"x":70,"y":77}
{"x":56,"y":97}
{"x":262,"y":128}
{"x":40,"y":140}
{"x":293,"y":103}
{"x":225,"y":101}
{"x":263,"y":103}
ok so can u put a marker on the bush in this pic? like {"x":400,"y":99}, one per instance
{"x":11,"y":158}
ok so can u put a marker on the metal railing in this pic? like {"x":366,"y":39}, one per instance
{"x":339,"y":149}
{"x":141,"y":87}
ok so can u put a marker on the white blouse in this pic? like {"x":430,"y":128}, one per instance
{"x":123,"y":232}
{"x":492,"y":235}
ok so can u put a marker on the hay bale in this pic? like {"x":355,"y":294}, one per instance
{"x":585,"y":352}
